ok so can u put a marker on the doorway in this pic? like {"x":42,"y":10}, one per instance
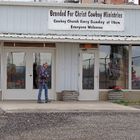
{"x":20,"y":70}
{"x":89,"y":75}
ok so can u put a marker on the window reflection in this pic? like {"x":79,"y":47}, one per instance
{"x":16,"y":70}
{"x":113,"y":66}
{"x":135,"y":67}
{"x":38,"y":60}
{"x":88,"y":71}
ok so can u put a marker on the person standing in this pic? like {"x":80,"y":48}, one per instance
{"x":43,"y":77}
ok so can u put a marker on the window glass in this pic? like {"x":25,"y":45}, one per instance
{"x":95,"y":1}
{"x":38,"y":60}
{"x":135,"y":67}
{"x":88,"y":71}
{"x":16,"y":70}
{"x":113,"y":66}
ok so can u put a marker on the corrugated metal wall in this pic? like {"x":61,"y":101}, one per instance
{"x":29,"y":19}
{"x":67,"y":66}
{"x":23,"y":19}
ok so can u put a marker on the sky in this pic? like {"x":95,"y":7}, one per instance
{"x":135,"y":1}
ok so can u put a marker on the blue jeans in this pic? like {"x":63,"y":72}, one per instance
{"x":43,"y":86}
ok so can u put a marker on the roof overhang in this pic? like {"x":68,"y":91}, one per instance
{"x":70,"y":5}
{"x":99,"y":39}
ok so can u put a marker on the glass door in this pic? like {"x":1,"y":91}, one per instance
{"x":88,"y":75}
{"x":16,"y":70}
{"x":38,"y":59}
{"x":21,"y":66}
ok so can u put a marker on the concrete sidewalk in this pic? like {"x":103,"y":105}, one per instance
{"x":60,"y":106}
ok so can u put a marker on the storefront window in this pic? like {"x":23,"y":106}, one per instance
{"x":16,"y":70}
{"x":135,"y":67}
{"x":113,"y":66}
{"x":39,"y":60}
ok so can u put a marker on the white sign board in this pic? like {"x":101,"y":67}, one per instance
{"x":69,"y":19}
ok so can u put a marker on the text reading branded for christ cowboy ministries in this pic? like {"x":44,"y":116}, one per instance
{"x":69,"y":19}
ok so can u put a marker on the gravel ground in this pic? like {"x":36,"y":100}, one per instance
{"x":70,"y":126}
{"x":135,"y":106}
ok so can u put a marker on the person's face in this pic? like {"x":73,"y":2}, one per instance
{"x":46,"y":65}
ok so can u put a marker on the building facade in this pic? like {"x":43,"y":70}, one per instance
{"x":89,"y":49}
{"x":85,"y":1}
{"x":105,"y":1}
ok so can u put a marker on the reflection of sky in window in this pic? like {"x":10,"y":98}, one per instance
{"x":135,"y":51}
{"x":88,"y":58}
{"x":137,"y":69}
{"x":104,"y":57}
{"x":42,"y":58}
{"x":45,"y":57}
{"x":104,"y":51}
{"x":136,"y":55}
{"x":136,"y":59}
{"x":18,"y":59}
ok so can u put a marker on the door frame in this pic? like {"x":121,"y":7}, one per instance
{"x":89,"y":94}
{"x":28,"y":93}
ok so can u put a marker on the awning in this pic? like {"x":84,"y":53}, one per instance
{"x":102,"y":39}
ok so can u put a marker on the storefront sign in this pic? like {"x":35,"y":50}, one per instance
{"x":103,"y":20}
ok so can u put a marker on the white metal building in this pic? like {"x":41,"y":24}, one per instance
{"x":89,"y":48}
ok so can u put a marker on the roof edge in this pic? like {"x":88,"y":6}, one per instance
{"x":45,"y":4}
{"x":70,"y":38}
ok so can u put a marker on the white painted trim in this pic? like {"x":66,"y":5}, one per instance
{"x":2,"y":70}
{"x":1,"y":44}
